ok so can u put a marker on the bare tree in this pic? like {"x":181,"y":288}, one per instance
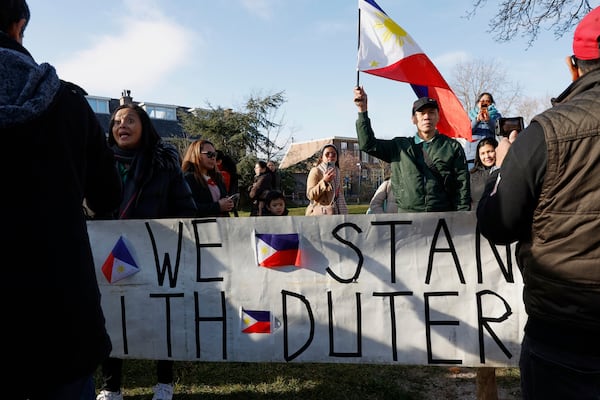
{"x":470,"y":78}
{"x":529,"y":107}
{"x":526,"y":17}
{"x":348,"y":164}
{"x":349,"y":171}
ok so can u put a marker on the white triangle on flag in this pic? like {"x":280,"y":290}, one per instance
{"x":263,"y":251}
{"x":248,"y":320}
{"x":382,"y":41}
{"x":121,"y":270}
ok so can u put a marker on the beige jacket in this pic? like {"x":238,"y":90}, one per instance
{"x":319,"y":191}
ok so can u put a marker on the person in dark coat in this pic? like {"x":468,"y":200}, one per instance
{"x":275,"y":175}
{"x":260,"y":187}
{"x":54,"y":326}
{"x":206,"y":181}
{"x":485,"y":159}
{"x":153,"y":187}
{"x":544,"y":194}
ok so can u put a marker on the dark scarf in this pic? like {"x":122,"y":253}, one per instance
{"x":129,"y":165}
{"x":125,"y":160}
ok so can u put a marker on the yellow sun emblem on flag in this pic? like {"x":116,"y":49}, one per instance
{"x":392,"y":31}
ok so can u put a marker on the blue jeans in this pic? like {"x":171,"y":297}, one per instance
{"x":550,"y":373}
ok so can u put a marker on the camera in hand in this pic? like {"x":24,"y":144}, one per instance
{"x":504,"y":126}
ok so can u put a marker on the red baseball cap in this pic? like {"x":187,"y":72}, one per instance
{"x":585,"y":39}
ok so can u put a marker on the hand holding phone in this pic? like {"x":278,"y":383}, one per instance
{"x":483,"y":112}
{"x":504,"y":126}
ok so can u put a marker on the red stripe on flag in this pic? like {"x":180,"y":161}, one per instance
{"x":259,"y":327}
{"x":282,"y":258}
{"x":416,"y":69}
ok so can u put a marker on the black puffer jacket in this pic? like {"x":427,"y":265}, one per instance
{"x":158,"y":188}
{"x":50,"y":302}
{"x":207,"y":207}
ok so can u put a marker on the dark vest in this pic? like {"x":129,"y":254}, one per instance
{"x":561,"y":263}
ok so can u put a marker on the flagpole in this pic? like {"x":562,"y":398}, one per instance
{"x":358,"y":48}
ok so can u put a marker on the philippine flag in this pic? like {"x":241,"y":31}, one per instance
{"x":119,"y":264}
{"x":277,"y":250}
{"x":256,"y":321}
{"x":386,"y":50}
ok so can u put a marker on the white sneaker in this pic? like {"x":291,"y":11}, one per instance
{"x":163,"y":391}
{"x":108,"y":395}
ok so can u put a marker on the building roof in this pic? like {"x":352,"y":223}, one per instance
{"x":166,"y":128}
{"x":300,"y":151}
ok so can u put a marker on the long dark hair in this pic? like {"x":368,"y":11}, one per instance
{"x":486,"y":94}
{"x":337,"y":153}
{"x":229,"y":165}
{"x":263,"y":165}
{"x":149,"y":134}
{"x":488,"y":140}
{"x":12,"y":12}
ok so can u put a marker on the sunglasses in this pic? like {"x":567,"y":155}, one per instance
{"x":209,"y":154}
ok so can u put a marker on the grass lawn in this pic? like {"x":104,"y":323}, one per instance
{"x":312,"y":381}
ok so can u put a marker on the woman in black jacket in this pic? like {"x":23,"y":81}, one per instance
{"x":485,"y":159}
{"x":206,"y":181}
{"x":153,"y":187}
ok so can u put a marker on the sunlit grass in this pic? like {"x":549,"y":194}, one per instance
{"x":299,"y":381}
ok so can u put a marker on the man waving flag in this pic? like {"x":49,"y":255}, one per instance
{"x":386,"y":50}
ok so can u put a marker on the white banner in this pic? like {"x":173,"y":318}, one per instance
{"x":420,"y":289}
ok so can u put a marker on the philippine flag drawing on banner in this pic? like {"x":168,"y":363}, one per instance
{"x":386,"y":50}
{"x":120,"y":263}
{"x":277,"y":250}
{"x":256,"y":321}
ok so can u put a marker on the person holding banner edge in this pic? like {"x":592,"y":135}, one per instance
{"x":154,"y":186}
{"x":544,"y":195}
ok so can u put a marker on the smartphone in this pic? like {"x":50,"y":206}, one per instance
{"x":330,"y":165}
{"x":504,"y":126}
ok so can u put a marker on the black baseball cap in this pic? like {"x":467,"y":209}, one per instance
{"x":423,"y":102}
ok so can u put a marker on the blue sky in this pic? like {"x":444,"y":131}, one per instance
{"x":194,"y":52}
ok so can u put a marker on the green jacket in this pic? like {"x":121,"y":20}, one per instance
{"x":416,"y":186}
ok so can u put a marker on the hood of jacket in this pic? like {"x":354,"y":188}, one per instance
{"x":27,"y":89}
